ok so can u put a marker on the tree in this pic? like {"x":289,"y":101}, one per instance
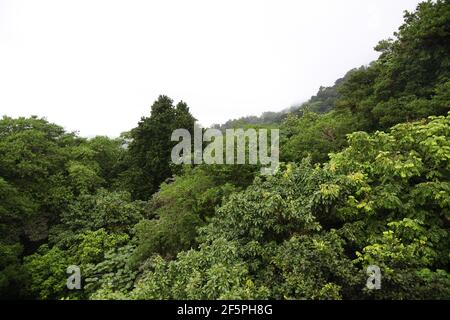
{"x":403,"y":83}
{"x":178,"y":209}
{"x":309,"y":232}
{"x":212,"y":272}
{"x":47,"y":267}
{"x":151,"y":145}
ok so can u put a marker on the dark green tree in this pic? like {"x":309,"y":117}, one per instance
{"x":150,"y":147}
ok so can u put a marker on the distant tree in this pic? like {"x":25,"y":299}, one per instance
{"x":411,"y":76}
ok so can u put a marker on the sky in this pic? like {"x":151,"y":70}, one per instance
{"x":97,"y":66}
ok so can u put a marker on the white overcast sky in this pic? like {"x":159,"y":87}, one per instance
{"x":96,"y":66}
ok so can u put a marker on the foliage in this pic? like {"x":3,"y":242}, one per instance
{"x":212,"y":272}
{"x":47,"y":267}
{"x":113,"y":274}
{"x":179,"y":208}
{"x":113,"y":211}
{"x":407,"y":82}
{"x":310,"y":232}
{"x":47,"y":270}
{"x":365,"y":181}
{"x":151,"y":145}
{"x":315,"y":136}
{"x":316,"y":267}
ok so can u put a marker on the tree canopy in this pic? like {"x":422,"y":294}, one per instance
{"x":364,"y":180}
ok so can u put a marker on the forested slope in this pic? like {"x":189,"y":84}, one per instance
{"x":364,"y":180}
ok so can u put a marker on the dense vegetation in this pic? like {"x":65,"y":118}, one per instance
{"x":365,"y":180}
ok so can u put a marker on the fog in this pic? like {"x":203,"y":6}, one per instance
{"x":97,"y":66}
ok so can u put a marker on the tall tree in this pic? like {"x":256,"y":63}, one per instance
{"x":151,"y":145}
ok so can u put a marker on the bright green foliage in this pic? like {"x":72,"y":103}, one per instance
{"x":401,"y":173}
{"x":269,"y":210}
{"x":310,"y":232}
{"x":401,"y":181}
{"x":33,"y":190}
{"x":33,"y":154}
{"x":82,"y":178}
{"x":47,"y":270}
{"x":43,"y":170}
{"x":47,"y":267}
{"x":212,"y":272}
{"x":366,"y":183}
{"x":404,"y":253}
{"x":179,"y":208}
{"x":94,"y":244}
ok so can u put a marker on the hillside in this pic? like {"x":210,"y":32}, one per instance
{"x":364,"y":181}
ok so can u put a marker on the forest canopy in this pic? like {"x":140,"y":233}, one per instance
{"x":364,"y":180}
